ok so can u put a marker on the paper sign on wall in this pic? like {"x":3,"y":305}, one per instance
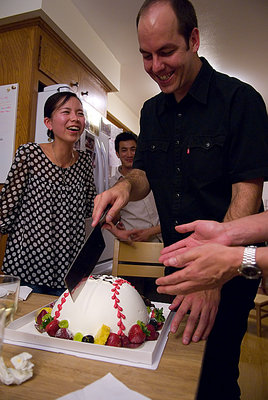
{"x":8,"y":117}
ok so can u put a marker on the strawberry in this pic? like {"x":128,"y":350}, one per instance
{"x":157,"y":315}
{"x":64,"y":333}
{"x":125,"y":341}
{"x":153,"y":335}
{"x":114,"y":340}
{"x":40,"y":315}
{"x":52,"y":327}
{"x":136,"y":333}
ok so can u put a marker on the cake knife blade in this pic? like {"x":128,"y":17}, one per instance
{"x":86,"y":259}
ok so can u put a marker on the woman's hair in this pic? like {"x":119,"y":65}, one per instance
{"x":53,"y":103}
{"x":184,"y":11}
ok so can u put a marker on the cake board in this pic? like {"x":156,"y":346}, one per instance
{"x":22,"y":332}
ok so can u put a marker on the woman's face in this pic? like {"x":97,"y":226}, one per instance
{"x":67,"y":121}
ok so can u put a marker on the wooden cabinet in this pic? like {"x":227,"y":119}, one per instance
{"x":58,"y":63}
{"x":34,"y":56}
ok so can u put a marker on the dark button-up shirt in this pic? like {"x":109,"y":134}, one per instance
{"x":194,"y":150}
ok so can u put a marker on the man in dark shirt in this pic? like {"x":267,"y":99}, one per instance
{"x":202,"y":149}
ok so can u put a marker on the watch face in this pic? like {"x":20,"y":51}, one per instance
{"x":251,"y":271}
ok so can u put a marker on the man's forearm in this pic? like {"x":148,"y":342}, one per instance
{"x":140,"y":187}
{"x":246,"y":199}
{"x":246,"y":230}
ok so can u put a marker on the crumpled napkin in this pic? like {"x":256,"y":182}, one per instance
{"x":24,"y":292}
{"x":105,"y":388}
{"x":22,"y":372}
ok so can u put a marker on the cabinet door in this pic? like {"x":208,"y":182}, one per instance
{"x":92,"y":92}
{"x":56,"y":62}
{"x":62,"y":65}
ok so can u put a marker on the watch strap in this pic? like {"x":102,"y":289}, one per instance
{"x":249,"y":256}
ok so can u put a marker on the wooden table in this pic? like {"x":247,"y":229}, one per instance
{"x":57,"y":374}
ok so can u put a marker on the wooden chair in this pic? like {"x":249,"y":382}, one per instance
{"x":137,"y":259}
{"x":261,"y":308}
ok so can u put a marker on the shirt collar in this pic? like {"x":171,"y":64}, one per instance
{"x":199,"y":89}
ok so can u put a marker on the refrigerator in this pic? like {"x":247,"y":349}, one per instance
{"x":97,"y":139}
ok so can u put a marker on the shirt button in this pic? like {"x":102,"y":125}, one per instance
{"x":177,"y":195}
{"x":153,"y":146}
{"x":180,"y":115}
{"x":207,"y":145}
{"x":178,"y":169}
{"x":177,"y":142}
{"x":176,"y":222}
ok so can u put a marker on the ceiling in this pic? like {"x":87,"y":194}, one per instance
{"x":233,"y":39}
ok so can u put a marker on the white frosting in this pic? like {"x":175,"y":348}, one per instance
{"x":106,"y":300}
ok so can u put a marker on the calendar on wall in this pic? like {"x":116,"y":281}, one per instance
{"x":8,"y":117}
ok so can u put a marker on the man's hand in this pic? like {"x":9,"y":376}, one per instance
{"x":135,"y":235}
{"x":117,"y":197}
{"x":203,"y":232}
{"x":203,"y":307}
{"x":121,"y":234}
{"x":144,"y":235}
{"x":206,"y":267}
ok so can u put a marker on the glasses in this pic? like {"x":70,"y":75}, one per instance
{"x":9,"y":295}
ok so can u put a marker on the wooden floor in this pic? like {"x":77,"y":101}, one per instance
{"x":253,"y":379}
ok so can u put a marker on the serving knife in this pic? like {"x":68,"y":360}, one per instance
{"x":86,"y":259}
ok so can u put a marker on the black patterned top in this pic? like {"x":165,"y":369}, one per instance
{"x":43,"y":209}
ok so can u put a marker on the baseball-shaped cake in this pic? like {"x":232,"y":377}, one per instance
{"x":104,"y":299}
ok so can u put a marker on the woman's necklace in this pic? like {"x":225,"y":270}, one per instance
{"x":67,"y":165}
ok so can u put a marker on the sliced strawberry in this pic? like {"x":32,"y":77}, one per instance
{"x":52,"y":327}
{"x":64,"y":333}
{"x":125,"y":341}
{"x":40,"y":316}
{"x":114,"y":340}
{"x":153,"y":334}
{"x":136,"y":334}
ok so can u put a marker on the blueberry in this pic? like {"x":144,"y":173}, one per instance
{"x":88,"y":339}
{"x":153,"y":322}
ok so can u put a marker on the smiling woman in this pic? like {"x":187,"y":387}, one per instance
{"x":48,"y":194}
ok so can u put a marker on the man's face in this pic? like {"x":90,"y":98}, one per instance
{"x":126,"y":152}
{"x":166,"y":56}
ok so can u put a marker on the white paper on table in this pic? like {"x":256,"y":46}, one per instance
{"x":24,"y":292}
{"x":105,"y":388}
{"x":11,"y":287}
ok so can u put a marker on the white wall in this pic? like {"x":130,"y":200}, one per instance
{"x":119,"y":109}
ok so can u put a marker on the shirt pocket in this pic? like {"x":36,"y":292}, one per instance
{"x":156,"y":158}
{"x":205,"y":157}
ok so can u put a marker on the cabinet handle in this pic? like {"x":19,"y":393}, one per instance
{"x":75,"y":84}
{"x":84,"y":93}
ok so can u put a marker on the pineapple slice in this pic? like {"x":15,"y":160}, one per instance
{"x":102,"y":335}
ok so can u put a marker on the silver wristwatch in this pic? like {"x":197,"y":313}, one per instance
{"x":248,"y":268}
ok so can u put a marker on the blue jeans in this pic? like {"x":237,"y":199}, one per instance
{"x":218,"y":380}
{"x":43,"y":289}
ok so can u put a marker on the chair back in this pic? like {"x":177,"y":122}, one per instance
{"x":139,"y":259}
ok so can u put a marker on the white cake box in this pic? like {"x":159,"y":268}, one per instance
{"x":22,"y":332}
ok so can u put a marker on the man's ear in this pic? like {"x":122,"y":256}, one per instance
{"x":47,"y":122}
{"x":194,"y":41}
{"x":117,"y":155}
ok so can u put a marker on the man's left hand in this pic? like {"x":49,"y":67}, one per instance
{"x":203,"y":307}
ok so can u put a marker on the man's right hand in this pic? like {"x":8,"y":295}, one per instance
{"x":117,"y":197}
{"x":203,"y":232}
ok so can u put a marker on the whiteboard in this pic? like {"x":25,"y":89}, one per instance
{"x":8,"y":117}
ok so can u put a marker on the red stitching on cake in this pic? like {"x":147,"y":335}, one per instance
{"x":116,"y":290}
{"x":63,"y":299}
